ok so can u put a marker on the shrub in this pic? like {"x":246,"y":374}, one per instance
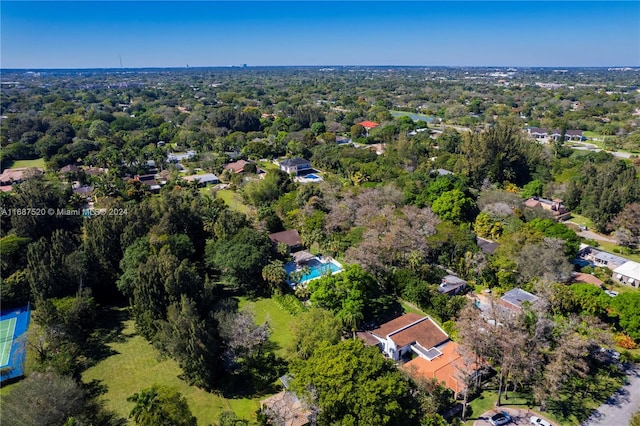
{"x":289,"y":303}
{"x":625,"y":341}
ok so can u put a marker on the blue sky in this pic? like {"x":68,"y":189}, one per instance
{"x":87,"y":34}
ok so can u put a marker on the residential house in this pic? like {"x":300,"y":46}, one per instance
{"x":546,"y":134}
{"x":434,"y":354}
{"x":285,"y":408}
{"x":440,"y":172}
{"x":341,"y":140}
{"x":447,"y":368}
{"x":178,"y":157}
{"x":69,"y":168}
{"x":409,"y":333}
{"x":203,"y":179}
{"x":290,"y":237}
{"x":148,"y":180}
{"x":487,"y":246}
{"x":581,"y":277}
{"x":236,"y":166}
{"x":452,"y":285}
{"x":611,"y":261}
{"x":295,"y":165}
{"x":628,"y":273}
{"x":514,"y":299}
{"x":555,"y":207}
{"x":368,"y":125}
{"x":85,"y":191}
{"x":18,"y":175}
{"x":95,"y":171}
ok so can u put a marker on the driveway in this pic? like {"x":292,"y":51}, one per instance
{"x":590,"y":235}
{"x":621,"y":406}
{"x":519,"y":416}
{"x":598,"y":237}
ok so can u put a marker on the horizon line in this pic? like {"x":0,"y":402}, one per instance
{"x":244,"y":66}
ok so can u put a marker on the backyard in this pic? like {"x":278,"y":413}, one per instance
{"x":38,"y":162}
{"x":233,"y":200}
{"x":133,"y":364}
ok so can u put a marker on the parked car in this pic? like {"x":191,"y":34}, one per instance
{"x":538,"y":421}
{"x":611,"y":293}
{"x":500,"y":419}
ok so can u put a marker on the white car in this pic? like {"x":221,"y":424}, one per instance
{"x":538,"y":421}
{"x":611,"y":293}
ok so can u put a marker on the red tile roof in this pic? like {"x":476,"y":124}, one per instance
{"x":411,"y":328}
{"x":444,"y":368}
{"x":237,"y":167}
{"x":581,"y":277}
{"x":396,"y":324}
{"x":368,"y":124}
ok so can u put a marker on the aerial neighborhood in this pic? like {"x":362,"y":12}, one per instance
{"x":319,"y":245}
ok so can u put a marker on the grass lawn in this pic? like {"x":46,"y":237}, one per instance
{"x":581,"y":220}
{"x":39,"y":162}
{"x":279,"y":321}
{"x":233,"y":200}
{"x":410,"y":307}
{"x":267,"y":165}
{"x":134,"y":365}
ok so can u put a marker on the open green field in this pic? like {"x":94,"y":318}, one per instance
{"x":39,"y":162}
{"x":233,"y":200}
{"x":279,"y":321}
{"x":135,"y":365}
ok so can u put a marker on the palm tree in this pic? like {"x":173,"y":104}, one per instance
{"x":274,"y":274}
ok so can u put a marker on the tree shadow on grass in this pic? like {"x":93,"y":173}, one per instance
{"x":109,"y":330}
{"x":257,"y":377}
{"x":574,"y":406}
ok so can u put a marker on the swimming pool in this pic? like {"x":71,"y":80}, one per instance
{"x":317,"y":269}
{"x":311,"y":176}
{"x":582,"y":263}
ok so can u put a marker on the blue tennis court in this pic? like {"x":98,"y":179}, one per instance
{"x":13,"y":326}
{"x":7,"y":328}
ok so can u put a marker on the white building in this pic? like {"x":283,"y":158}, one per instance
{"x":628,"y":273}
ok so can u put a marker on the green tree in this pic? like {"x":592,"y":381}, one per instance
{"x":161,"y":406}
{"x":313,"y":329}
{"x":274,"y":274}
{"x":352,"y":296}
{"x":454,"y":206}
{"x":192,"y":342}
{"x":627,"y":306}
{"x":43,"y":399}
{"x":240,"y":259}
{"x":350,"y":384}
{"x":532,"y":189}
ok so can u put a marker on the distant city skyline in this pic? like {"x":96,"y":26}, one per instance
{"x":88,"y":34}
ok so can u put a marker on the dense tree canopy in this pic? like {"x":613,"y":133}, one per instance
{"x":350,"y":384}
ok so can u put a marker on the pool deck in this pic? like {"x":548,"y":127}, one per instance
{"x":324,"y":263}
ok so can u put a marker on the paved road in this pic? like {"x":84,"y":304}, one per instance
{"x":618,"y":410}
{"x":591,"y":235}
{"x":591,"y":147}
